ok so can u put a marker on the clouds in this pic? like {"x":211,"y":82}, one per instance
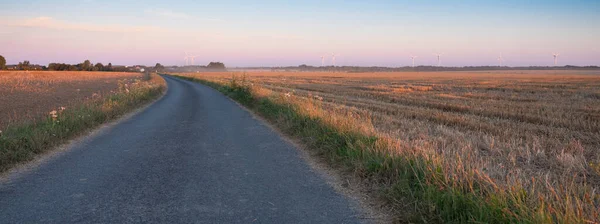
{"x":169,"y":14}
{"x":56,"y":24}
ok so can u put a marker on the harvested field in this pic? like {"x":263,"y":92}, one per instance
{"x":29,"y":95}
{"x":532,"y":136}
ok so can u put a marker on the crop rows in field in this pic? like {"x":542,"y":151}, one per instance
{"x":531,"y":123}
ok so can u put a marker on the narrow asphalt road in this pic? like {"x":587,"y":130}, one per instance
{"x":194,"y":156}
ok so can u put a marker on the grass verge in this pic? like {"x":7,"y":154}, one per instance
{"x":419,"y":186}
{"x":22,"y":143}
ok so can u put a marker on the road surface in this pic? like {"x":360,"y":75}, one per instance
{"x":194,"y":156}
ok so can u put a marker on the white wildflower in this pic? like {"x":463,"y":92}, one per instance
{"x":53,"y":115}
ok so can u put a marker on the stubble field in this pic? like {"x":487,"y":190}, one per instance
{"x":536,"y":132}
{"x":31,"y":95}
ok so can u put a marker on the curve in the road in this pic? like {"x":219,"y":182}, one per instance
{"x":194,"y":156}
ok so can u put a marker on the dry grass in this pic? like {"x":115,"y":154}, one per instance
{"x":530,"y":138}
{"x":30,"y":95}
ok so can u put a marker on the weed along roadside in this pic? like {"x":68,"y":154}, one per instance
{"x":420,"y":187}
{"x":21,"y":143}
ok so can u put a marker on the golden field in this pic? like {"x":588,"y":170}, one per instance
{"x":29,"y":95}
{"x":532,"y":133}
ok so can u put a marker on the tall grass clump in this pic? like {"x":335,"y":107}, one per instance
{"x":23,"y":142}
{"x":421,"y":184}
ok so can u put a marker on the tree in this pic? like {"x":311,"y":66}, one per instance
{"x":2,"y":63}
{"x":86,"y":66}
{"x":53,"y":67}
{"x":216,"y":66}
{"x":61,"y":67}
{"x":159,"y":67}
{"x":23,"y":65}
{"x":99,"y":67}
{"x":109,"y":67}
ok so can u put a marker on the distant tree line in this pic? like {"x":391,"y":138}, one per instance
{"x":219,"y":66}
{"x":86,"y":66}
{"x":26,"y":65}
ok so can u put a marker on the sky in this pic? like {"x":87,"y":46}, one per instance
{"x":289,"y":33}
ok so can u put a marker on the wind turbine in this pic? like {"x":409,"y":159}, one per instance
{"x":555,"y":58}
{"x":322,"y":61}
{"x":413,"y":60}
{"x":186,"y":58}
{"x":193,"y":57}
{"x":333,"y":59}
{"x":438,"y":58}
{"x":500,"y":59}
